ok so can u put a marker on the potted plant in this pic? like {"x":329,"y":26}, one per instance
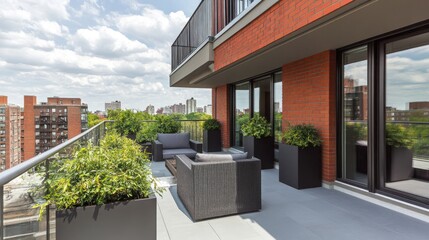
{"x":399,"y":158}
{"x":211,"y":136}
{"x":300,"y":164}
{"x":126,"y":122}
{"x":103,"y":192}
{"x":167,"y":124}
{"x":257,"y":140}
{"x":145,"y":136}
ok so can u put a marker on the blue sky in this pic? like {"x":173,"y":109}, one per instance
{"x":98,"y":50}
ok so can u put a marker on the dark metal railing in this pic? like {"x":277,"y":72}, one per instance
{"x":194,"y":127}
{"x":198,"y":29}
{"x":21,"y":188}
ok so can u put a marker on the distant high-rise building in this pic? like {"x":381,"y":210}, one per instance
{"x":112,"y":106}
{"x":50,"y":123}
{"x":10,"y":134}
{"x":208,"y":109}
{"x":191,"y":105}
{"x":159,"y":111}
{"x":179,"y":108}
{"x":200,"y":109}
{"x":150,"y":109}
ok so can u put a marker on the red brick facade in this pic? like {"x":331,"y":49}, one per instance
{"x":29,"y":130}
{"x":280,"y":20}
{"x":309,"y":97}
{"x":74,"y":122}
{"x":221,"y":98}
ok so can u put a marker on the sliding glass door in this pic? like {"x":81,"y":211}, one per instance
{"x":260,"y":96}
{"x":406,"y":123}
{"x":354,"y":115}
{"x":383,"y":99}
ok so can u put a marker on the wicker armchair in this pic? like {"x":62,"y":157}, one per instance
{"x":213,"y":189}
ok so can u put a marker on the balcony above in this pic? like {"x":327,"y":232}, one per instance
{"x":269,"y":34}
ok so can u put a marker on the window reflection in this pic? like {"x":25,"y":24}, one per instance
{"x":355,"y":115}
{"x":407,"y":115}
{"x":242,"y":110}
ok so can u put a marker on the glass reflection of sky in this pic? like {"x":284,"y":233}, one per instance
{"x":242,"y":99}
{"x":407,"y":77}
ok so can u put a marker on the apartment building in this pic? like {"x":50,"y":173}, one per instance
{"x":10,"y":134}
{"x":348,"y":67}
{"x":50,"y":123}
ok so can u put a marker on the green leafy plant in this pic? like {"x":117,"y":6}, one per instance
{"x":398,"y":136}
{"x":302,"y":135}
{"x":147,"y":133}
{"x":116,"y":170}
{"x":211,"y":124}
{"x":126,"y":122}
{"x":167,"y":124}
{"x":257,"y":127}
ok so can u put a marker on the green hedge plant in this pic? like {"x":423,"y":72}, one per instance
{"x":302,"y":135}
{"x":211,"y":124}
{"x":147,"y":133}
{"x":167,"y":124}
{"x":257,"y":127}
{"x":116,"y":170}
{"x":398,"y":136}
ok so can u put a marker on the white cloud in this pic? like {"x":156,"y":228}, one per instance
{"x":152,"y":25}
{"x":45,"y":50}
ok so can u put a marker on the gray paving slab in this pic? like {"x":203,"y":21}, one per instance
{"x":288,"y":213}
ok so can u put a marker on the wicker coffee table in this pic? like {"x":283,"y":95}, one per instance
{"x":170,"y":164}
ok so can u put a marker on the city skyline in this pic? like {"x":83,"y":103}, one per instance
{"x":97,"y":51}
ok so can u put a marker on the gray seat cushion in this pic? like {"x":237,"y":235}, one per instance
{"x":169,"y":153}
{"x":207,"y":157}
{"x":174,"y":140}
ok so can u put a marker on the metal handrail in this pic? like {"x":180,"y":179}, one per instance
{"x":14,"y":172}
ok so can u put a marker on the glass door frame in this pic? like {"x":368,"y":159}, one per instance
{"x":376,"y":113}
{"x":271,"y":76}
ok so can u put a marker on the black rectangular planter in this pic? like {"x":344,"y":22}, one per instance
{"x":135,"y":219}
{"x":300,"y":167}
{"x":262,"y":148}
{"x":399,"y":164}
{"x":212,"y":141}
{"x":147,"y":147}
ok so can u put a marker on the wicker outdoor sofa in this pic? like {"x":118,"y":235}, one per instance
{"x":219,"y":188}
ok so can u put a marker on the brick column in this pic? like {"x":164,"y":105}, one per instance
{"x":309,"y":97}
{"x":220,"y":101}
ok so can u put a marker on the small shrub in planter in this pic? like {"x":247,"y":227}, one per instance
{"x":399,"y":157}
{"x":257,"y":140}
{"x":145,"y":136}
{"x":126,"y":122}
{"x":167,"y":124}
{"x":300,"y":164}
{"x":212,"y":136}
{"x":103,"y":191}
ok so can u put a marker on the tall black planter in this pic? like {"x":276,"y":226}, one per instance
{"x":399,"y":164}
{"x":262,"y":148}
{"x":135,"y":219}
{"x":212,"y":141}
{"x":300,"y":167}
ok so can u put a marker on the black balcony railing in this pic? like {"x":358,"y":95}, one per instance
{"x":198,"y":29}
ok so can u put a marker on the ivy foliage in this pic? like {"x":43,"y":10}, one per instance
{"x":211,"y":124}
{"x":257,"y":127}
{"x":398,"y":136}
{"x":302,"y":135}
{"x":116,"y":170}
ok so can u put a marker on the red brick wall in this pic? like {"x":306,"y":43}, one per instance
{"x":220,"y":100}
{"x":73,"y":121}
{"x":29,"y":127}
{"x":3,"y":99}
{"x":280,"y":20}
{"x":309,"y":97}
